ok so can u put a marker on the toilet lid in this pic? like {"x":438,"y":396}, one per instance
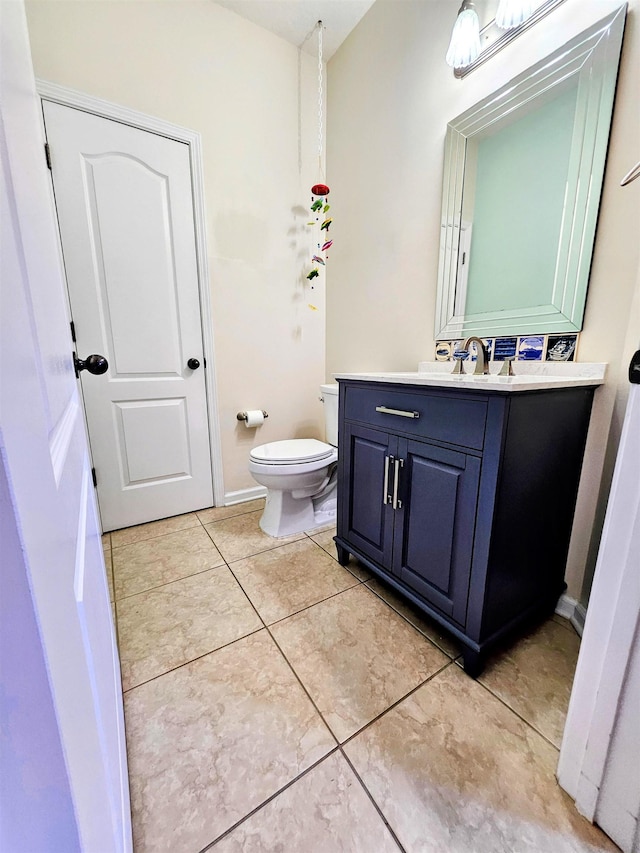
{"x":291,"y":452}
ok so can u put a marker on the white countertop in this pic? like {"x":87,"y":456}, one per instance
{"x":530,"y":376}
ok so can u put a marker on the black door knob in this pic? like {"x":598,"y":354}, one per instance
{"x":193,"y":363}
{"x":96,"y":364}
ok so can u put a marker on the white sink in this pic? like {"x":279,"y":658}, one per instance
{"x":529,"y":376}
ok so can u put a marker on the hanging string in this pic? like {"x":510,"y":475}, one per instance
{"x":320,"y":191}
{"x":320,"y":97}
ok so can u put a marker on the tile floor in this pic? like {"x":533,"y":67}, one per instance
{"x":275,"y":701}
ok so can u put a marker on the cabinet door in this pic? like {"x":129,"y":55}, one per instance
{"x":434,"y":526}
{"x":366,"y":519}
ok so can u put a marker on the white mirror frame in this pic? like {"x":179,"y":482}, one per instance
{"x":593,"y":58}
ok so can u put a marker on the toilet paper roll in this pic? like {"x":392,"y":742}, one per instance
{"x":255,"y":418}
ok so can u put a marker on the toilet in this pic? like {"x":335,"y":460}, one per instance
{"x":300,"y":475}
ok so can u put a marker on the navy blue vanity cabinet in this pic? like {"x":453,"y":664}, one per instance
{"x":434,"y":523}
{"x":366,"y":463}
{"x":462,"y":501}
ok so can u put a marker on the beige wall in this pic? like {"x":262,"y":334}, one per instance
{"x":253,"y":98}
{"x":385,"y":165}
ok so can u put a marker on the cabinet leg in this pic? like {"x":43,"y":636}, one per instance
{"x":473,"y":662}
{"x":343,"y":555}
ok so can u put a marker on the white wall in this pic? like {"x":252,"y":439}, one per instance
{"x":390,"y":96}
{"x":253,"y":98}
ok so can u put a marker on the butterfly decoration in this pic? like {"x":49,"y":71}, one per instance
{"x":320,"y":207}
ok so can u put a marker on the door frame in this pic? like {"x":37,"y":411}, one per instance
{"x":106,"y":109}
{"x":610,"y":632}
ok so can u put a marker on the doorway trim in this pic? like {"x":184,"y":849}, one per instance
{"x":105,"y":109}
{"x":610,"y":632}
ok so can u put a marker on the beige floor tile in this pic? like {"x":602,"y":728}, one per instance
{"x":325,"y":540}
{"x":356,"y":657}
{"x":129,"y":535}
{"x":325,"y":810}
{"x":241,"y":536}
{"x":534,"y":677}
{"x":453,"y":770}
{"x":147,"y":564}
{"x":217,"y":513}
{"x":180,"y":621}
{"x":212,"y":740}
{"x":418,"y":619}
{"x":287,"y":579}
{"x":322,"y":528}
{"x":106,"y":541}
{"x":108,"y":566}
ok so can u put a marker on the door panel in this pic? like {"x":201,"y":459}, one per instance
{"x":436,"y":524}
{"x":369,"y":521}
{"x":45,"y":455}
{"x":165,"y":457}
{"x":125,"y":211}
{"x":141,"y":280}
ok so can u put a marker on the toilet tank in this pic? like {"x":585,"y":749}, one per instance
{"x":329,"y":394}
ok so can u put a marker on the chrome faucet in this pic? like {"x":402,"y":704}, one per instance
{"x":482,"y":366}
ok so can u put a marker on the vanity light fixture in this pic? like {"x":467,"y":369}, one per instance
{"x":471,"y":46}
{"x":464,"y":47}
{"x":512,"y":13}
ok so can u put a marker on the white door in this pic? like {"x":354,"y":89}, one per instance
{"x":45,"y":455}
{"x":598,"y":763}
{"x":125,"y":210}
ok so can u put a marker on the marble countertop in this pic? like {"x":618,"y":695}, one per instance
{"x":530,"y":376}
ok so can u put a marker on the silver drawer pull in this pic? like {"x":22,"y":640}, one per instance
{"x":386,"y":480}
{"x":397,"y":504}
{"x":399,"y":412}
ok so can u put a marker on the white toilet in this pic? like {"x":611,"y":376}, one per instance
{"x":300,"y":476}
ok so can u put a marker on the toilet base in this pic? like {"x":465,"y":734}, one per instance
{"x":285,"y":515}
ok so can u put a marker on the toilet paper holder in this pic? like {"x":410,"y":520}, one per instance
{"x":242,"y":416}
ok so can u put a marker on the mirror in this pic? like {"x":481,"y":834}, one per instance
{"x":522,"y":180}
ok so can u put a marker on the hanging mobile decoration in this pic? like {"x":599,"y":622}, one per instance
{"x":320,"y":191}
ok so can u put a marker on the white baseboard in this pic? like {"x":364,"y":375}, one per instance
{"x":578,"y":618}
{"x":243,"y":495}
{"x":570,"y":609}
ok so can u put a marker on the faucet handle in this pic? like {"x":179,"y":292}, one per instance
{"x":507,"y":369}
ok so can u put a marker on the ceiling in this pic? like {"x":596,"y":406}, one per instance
{"x":295,"y":20}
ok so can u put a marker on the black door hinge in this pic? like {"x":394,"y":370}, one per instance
{"x":94,"y":477}
{"x":204,"y":361}
{"x":47,"y":154}
{"x":73,"y":331}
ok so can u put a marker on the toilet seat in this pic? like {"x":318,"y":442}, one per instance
{"x":296,"y":451}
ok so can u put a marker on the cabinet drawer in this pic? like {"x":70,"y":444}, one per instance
{"x":454,"y":419}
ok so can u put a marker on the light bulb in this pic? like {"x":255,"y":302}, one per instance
{"x":464,"y":47}
{"x":512,"y":13}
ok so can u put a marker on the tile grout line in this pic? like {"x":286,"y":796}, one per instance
{"x":309,"y":606}
{"x":157,"y":535}
{"x":166,"y":583}
{"x":313,"y":704}
{"x":396,"y":703}
{"x":291,"y":667}
{"x":269,"y":799}
{"x":246,"y":557}
{"x":520,"y":717}
{"x":192,"y":660}
{"x":218,"y":648}
{"x":337,"y":748}
{"x":371,"y":798}
{"x":366,"y":583}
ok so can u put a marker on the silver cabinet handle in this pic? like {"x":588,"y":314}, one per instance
{"x":385,"y":488}
{"x":385,"y":411}
{"x":397,"y":504}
